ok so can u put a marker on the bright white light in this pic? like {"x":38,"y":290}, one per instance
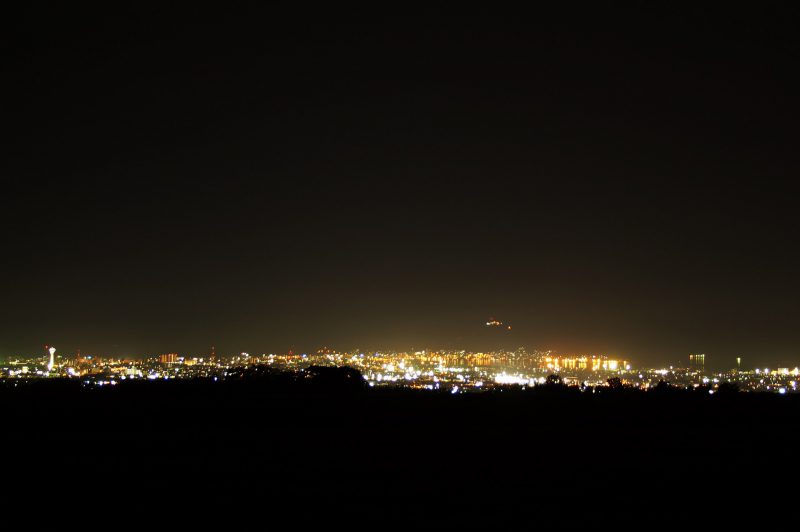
{"x":503,"y":378}
{"x":52,"y":361}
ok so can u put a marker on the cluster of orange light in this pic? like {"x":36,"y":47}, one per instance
{"x":496,"y":323}
{"x":169,"y":358}
{"x":593,"y":363}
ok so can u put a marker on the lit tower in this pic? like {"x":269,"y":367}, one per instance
{"x":52,"y":363}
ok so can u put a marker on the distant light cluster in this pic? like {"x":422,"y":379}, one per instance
{"x":457,"y":371}
{"x":497,"y":323}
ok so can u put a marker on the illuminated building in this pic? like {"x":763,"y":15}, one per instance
{"x":697,"y":361}
{"x":588,"y":363}
{"x":169,"y":358}
{"x":52,"y":363}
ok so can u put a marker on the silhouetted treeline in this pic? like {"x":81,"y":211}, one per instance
{"x":330,"y":378}
{"x":321,"y":443}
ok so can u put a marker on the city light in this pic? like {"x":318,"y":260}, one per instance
{"x":428,"y":369}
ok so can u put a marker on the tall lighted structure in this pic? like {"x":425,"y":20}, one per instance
{"x":52,"y":363}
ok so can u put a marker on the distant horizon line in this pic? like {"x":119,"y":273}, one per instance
{"x":710,"y":359}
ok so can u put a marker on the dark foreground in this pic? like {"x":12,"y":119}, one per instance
{"x":371,"y":458}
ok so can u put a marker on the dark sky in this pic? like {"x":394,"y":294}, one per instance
{"x":619,"y":182}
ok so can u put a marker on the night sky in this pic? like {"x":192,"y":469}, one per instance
{"x":606,"y":182}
